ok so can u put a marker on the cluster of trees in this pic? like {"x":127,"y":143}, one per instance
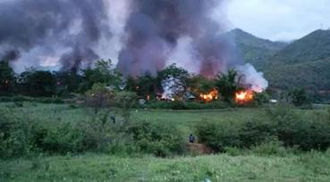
{"x":178,"y":81}
{"x":38,"y":83}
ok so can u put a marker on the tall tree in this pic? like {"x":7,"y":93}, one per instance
{"x":104,"y":72}
{"x":174,"y":79}
{"x":228,"y":84}
{"x":67,"y":82}
{"x":38,"y":83}
{"x":147,"y":86}
{"x":7,"y":78}
{"x":199,"y":84}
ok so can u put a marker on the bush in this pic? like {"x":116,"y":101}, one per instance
{"x":5,"y":99}
{"x":304,"y":130}
{"x":299,"y":97}
{"x":99,"y":135}
{"x":22,"y":136}
{"x":220,"y":136}
{"x":19,"y":98}
{"x":186,"y":105}
{"x":159,"y":139}
{"x":272,"y":147}
{"x":158,"y":105}
{"x":61,"y":139}
{"x":294,"y":130}
{"x":49,"y":100}
{"x":15,"y":135}
{"x":178,"y":105}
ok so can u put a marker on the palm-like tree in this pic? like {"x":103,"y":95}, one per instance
{"x":228,"y":84}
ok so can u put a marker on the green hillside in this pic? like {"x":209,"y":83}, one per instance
{"x":313,"y":47}
{"x":305,"y":63}
{"x":313,"y":75}
{"x":255,"y":50}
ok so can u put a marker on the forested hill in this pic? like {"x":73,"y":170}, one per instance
{"x":255,"y":50}
{"x":313,"y":47}
{"x":304,"y":63}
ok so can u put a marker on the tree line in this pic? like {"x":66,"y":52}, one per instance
{"x":176,"y":80}
{"x":39,"y":83}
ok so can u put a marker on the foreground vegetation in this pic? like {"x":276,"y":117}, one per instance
{"x":90,"y":167}
{"x":62,"y":142}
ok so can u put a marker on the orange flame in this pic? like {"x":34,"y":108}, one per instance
{"x":243,"y":97}
{"x":213,"y":95}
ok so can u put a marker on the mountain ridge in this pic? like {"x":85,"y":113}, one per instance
{"x":255,"y":50}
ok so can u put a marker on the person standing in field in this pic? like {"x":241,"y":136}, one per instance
{"x":192,"y":138}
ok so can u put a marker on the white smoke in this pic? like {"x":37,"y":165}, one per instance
{"x":172,"y":87}
{"x":184,"y":56}
{"x":252,"y":78}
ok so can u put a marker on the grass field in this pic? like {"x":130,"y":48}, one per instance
{"x":311,"y":166}
{"x":92,"y":167}
{"x":184,"y":120}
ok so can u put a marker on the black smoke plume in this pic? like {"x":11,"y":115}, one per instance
{"x":154,"y":28}
{"x":45,"y":26}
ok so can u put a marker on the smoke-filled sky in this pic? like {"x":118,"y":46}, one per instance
{"x":279,"y":19}
{"x":142,"y":36}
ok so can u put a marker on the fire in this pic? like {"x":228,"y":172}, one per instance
{"x":242,"y":97}
{"x":213,"y":95}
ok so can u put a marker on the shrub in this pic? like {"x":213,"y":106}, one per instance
{"x":255,"y":132}
{"x":299,"y":97}
{"x":272,"y":147}
{"x":61,"y":139}
{"x":187,"y":105}
{"x":96,"y":135}
{"x":125,"y":101}
{"x":293,"y":129}
{"x":5,"y":99}
{"x":158,"y":105}
{"x":178,"y":105}
{"x":304,"y":130}
{"x":99,"y":97}
{"x":218,"y":136}
{"x":15,"y":135}
{"x":158,"y":139}
{"x":19,"y":98}
{"x":23,"y":136}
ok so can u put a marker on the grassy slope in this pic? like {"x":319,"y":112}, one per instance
{"x":91,"y":167}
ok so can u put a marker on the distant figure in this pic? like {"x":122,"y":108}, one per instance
{"x":113,"y":118}
{"x":192,"y":138}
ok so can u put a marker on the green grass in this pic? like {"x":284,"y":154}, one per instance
{"x":184,"y":120}
{"x":101,"y":167}
{"x":92,"y":167}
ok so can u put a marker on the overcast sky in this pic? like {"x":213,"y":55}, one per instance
{"x":279,"y":19}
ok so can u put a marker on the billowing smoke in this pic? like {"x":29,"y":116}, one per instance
{"x":185,"y":32}
{"x":67,"y":30}
{"x":144,"y":35}
{"x":154,"y":30}
{"x":251,"y":78}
